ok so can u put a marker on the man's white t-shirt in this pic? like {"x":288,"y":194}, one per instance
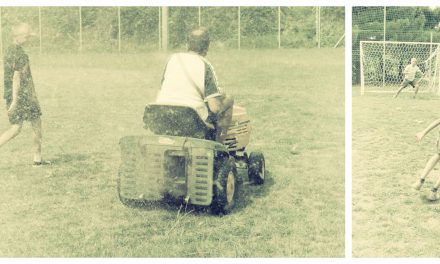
{"x":189,"y":80}
{"x":410,"y":72}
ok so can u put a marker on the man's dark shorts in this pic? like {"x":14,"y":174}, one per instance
{"x":212,"y":118}
{"x":27,"y":110}
{"x":413,"y":83}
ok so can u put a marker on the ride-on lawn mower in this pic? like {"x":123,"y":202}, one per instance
{"x":182,"y":160}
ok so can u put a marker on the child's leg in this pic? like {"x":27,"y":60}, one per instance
{"x":416,"y":87}
{"x":430,"y":165}
{"x":433,"y":195}
{"x":398,"y":91}
{"x":437,"y":184}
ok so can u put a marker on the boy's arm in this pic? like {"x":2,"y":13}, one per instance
{"x":15,"y":88}
{"x":431,"y":126}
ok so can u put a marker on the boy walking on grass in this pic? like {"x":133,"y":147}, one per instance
{"x":19,"y":92}
{"x":433,"y":195}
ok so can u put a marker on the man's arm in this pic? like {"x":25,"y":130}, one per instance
{"x":218,"y":101}
{"x":220,"y":104}
{"x":15,"y":89}
{"x":431,"y":126}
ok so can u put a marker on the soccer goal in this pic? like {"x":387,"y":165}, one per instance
{"x":383,"y":63}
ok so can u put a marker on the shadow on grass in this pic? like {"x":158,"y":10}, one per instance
{"x":249,"y":192}
{"x":78,"y":164}
{"x":66,"y":158}
{"x":246,"y":194}
{"x":425,"y":200}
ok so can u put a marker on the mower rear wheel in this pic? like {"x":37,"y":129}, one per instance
{"x":225,"y":188}
{"x":256,"y":168}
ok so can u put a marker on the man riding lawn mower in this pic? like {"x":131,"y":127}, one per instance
{"x":198,"y":138}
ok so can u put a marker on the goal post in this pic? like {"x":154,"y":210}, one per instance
{"x":382,"y":64}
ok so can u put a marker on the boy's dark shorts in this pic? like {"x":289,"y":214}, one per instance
{"x":413,"y":83}
{"x":27,"y":110}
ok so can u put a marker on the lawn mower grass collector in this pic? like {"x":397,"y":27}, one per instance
{"x":181,"y":160}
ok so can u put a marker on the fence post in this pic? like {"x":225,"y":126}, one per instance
{"x":361,"y":59}
{"x":200,"y":16}
{"x":1,"y":34}
{"x":165,"y":28}
{"x":384,"y":39}
{"x":279,"y":27}
{"x":119,"y":29}
{"x":80,"y":30}
{"x":430,"y":46}
{"x":318,"y":25}
{"x":159,"y":31}
{"x":39,"y":26}
{"x":239,"y":29}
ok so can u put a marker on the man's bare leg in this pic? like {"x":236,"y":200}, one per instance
{"x":9,"y":134}
{"x":36,"y":125}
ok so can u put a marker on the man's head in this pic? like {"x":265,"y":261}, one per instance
{"x":413,"y":61}
{"x":198,"y":41}
{"x":21,"y":33}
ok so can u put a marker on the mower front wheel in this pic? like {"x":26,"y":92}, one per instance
{"x":256,"y":168}
{"x":225,"y":188}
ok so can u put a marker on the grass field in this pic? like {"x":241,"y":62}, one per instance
{"x":71,"y":209}
{"x":390,"y":219}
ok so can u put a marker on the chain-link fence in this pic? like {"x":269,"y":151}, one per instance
{"x":137,"y":29}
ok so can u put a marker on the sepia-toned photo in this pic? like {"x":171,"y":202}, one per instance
{"x":395,"y":91}
{"x":198,"y":131}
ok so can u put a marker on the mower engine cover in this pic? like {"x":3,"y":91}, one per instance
{"x":238,"y":134}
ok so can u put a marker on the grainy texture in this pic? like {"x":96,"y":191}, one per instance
{"x":390,"y":219}
{"x":294,"y":98}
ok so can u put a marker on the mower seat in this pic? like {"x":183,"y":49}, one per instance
{"x":176,"y":120}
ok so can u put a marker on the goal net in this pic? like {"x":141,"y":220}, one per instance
{"x":383,"y":62}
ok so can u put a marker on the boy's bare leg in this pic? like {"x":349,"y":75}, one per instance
{"x":9,"y":134}
{"x":433,"y":196}
{"x":437,"y":183}
{"x":428,"y":167}
{"x":36,"y":125}
{"x":416,"y":90}
{"x":398,"y":91}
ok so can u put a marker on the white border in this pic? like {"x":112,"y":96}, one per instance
{"x":348,"y":115}
{"x":219,"y":3}
{"x":348,"y":134}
